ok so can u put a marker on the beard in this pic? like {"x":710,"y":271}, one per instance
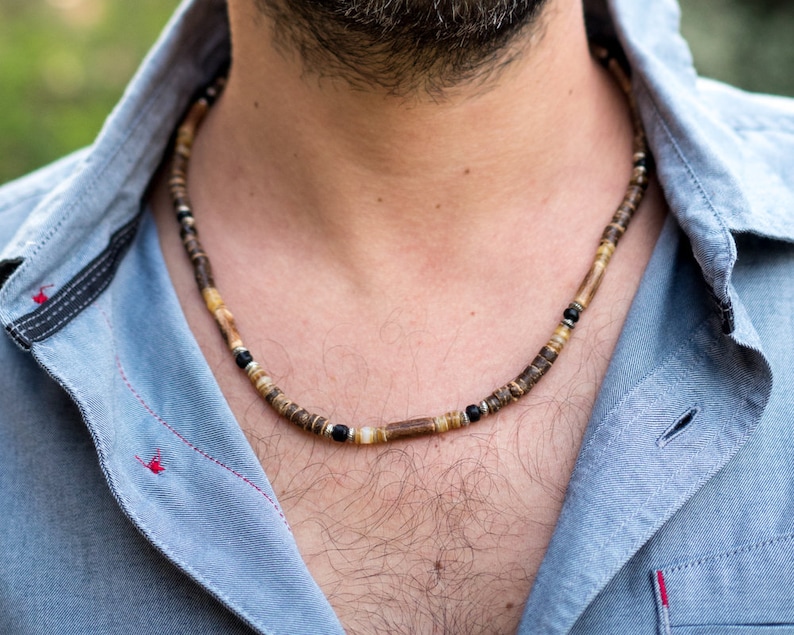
{"x":403,"y":46}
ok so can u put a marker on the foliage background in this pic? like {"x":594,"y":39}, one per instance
{"x":64,"y":63}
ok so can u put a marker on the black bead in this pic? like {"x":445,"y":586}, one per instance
{"x":646,"y":162}
{"x":180,"y":216}
{"x":571,"y":314}
{"x":243,"y":358}
{"x":339,"y":433}
{"x":473,"y":413}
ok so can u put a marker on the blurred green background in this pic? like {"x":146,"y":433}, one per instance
{"x":64,"y":63}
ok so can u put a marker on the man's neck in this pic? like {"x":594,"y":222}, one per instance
{"x":379,"y":177}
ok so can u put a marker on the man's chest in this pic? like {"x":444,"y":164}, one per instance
{"x":430,"y":536}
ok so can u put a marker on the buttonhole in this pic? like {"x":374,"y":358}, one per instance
{"x":680,"y":425}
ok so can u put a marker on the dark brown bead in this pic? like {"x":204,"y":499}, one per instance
{"x":494,"y":404}
{"x":541,"y":363}
{"x":410,"y":428}
{"x":290,"y":411}
{"x":635,"y":197}
{"x":317,"y":423}
{"x":521,"y":382}
{"x":504,"y":395}
{"x":274,"y":393}
{"x":530,"y":375}
{"x":302,"y":419}
{"x":549,"y":354}
{"x":203,"y":279}
{"x":612,"y":233}
{"x":624,"y":215}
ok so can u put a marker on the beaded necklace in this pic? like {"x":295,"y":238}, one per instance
{"x":494,"y":402}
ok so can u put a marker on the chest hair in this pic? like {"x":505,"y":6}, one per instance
{"x":431,"y":538}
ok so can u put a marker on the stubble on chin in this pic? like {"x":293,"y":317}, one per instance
{"x":404,"y":47}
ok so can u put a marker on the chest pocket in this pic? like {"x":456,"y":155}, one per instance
{"x":747,"y":591}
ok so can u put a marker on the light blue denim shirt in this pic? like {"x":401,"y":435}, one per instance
{"x":131,"y":502}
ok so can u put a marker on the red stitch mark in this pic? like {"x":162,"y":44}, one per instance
{"x":163,"y":422}
{"x":155,"y":465}
{"x":41,"y":297}
{"x":662,"y":588}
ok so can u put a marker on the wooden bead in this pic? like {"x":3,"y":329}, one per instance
{"x":212,"y":298}
{"x":316,"y":424}
{"x":259,"y":378}
{"x":559,"y":338}
{"x":549,"y":354}
{"x":613,"y":233}
{"x":517,"y":390}
{"x":530,"y":375}
{"x":494,"y":404}
{"x":368,"y":436}
{"x":449,"y":421}
{"x":594,"y":277}
{"x":410,"y":428}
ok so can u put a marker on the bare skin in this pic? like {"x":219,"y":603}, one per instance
{"x":388,"y":258}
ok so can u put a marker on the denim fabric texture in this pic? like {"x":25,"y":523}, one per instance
{"x":679,"y":517}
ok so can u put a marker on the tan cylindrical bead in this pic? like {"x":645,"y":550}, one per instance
{"x":183,"y":149}
{"x":590,"y":285}
{"x":620,"y":77}
{"x":604,"y":253}
{"x":260,"y":379}
{"x":225,"y":321}
{"x":441,"y":424}
{"x":212,"y":298}
{"x":194,"y":116}
{"x":456,"y":419}
{"x":369,"y":436}
{"x":449,"y":421}
{"x":596,"y":274}
{"x":280,"y":402}
{"x":559,"y":338}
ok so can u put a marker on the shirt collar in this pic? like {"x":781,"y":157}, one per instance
{"x":720,"y":153}
{"x":714,"y":181}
